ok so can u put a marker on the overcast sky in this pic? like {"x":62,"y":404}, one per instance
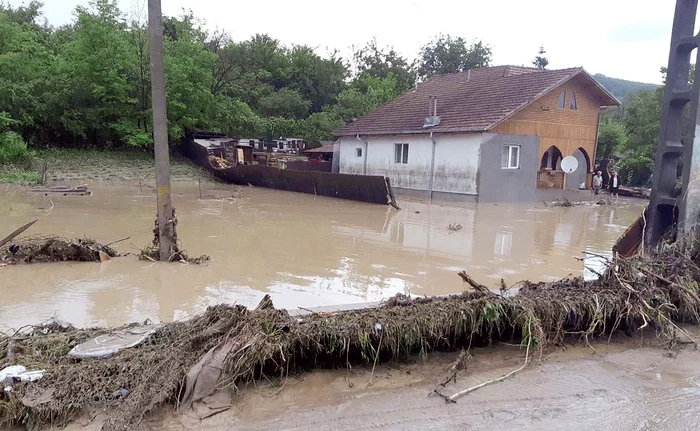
{"x":620,"y":38}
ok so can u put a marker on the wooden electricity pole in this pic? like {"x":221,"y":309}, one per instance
{"x":166,"y":227}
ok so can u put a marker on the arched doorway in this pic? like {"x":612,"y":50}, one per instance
{"x":581,"y":175}
{"x":550,"y":175}
{"x":551,"y":159}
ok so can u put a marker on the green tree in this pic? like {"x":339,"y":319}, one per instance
{"x":94,"y":67}
{"x":446,"y":54}
{"x":540,"y":61}
{"x":286,"y":103}
{"x":642,"y":114}
{"x":319,"y":127}
{"x":612,"y":137}
{"x":319,"y":80}
{"x":353,"y":102}
{"x":375,"y":62}
{"x":24,"y":69}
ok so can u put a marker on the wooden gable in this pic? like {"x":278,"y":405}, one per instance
{"x":566,"y":128}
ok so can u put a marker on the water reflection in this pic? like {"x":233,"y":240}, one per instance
{"x":303,"y":250}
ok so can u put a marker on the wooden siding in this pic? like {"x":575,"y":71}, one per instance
{"x":566,"y":128}
{"x":550,"y":180}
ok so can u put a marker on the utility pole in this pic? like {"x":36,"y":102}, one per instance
{"x":666,"y":209}
{"x":166,"y":225}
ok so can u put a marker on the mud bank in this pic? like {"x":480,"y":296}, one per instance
{"x":620,"y":386}
{"x":624,"y":390}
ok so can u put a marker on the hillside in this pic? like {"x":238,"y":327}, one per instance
{"x":620,"y":88}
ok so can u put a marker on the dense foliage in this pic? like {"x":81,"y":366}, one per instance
{"x":87,"y":84}
{"x":630,"y":134}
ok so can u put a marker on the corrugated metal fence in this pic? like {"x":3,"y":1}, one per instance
{"x":365,"y":188}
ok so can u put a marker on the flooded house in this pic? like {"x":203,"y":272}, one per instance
{"x":496,"y":134}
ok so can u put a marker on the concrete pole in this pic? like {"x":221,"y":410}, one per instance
{"x":665,"y":208}
{"x":160,"y":131}
{"x":690,"y":204}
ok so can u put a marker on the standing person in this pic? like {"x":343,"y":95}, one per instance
{"x":614,"y":185}
{"x":597,"y":183}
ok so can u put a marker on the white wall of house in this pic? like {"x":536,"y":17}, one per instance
{"x":456,"y":160}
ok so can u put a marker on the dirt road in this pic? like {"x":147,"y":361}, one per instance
{"x":638,"y":389}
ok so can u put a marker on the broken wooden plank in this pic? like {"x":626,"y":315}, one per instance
{"x":14,"y":234}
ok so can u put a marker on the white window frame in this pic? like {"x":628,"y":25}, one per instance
{"x":509,"y":162}
{"x":403,"y":153}
{"x":358,"y":152}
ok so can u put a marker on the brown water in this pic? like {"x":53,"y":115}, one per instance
{"x":304,"y":250}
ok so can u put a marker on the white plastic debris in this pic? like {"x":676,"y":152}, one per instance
{"x":106,"y":345}
{"x":18,"y":373}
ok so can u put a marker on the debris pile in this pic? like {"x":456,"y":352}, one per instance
{"x":218,"y":162}
{"x":567,"y":203}
{"x":54,"y":249}
{"x":652,"y":293}
{"x":50,"y":249}
{"x":63,"y":190}
{"x":152,"y":251}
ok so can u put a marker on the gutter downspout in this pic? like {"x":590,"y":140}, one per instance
{"x":432,"y":169}
{"x":364,"y":162}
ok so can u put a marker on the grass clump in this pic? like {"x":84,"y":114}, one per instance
{"x":21,"y":176}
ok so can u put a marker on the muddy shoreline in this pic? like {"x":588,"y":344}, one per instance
{"x":625,"y":385}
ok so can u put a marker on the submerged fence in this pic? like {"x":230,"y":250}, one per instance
{"x":365,"y":188}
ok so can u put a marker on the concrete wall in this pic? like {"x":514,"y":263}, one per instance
{"x":456,"y":160}
{"x":508,"y":185}
{"x":574,"y":179}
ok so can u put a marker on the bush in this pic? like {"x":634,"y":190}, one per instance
{"x":18,"y":176}
{"x":13,"y":149}
{"x":636,"y":170}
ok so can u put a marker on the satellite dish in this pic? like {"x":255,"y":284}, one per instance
{"x":569,"y":164}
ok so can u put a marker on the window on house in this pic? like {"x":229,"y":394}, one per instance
{"x":510,"y":157}
{"x":573,"y":101}
{"x":401,"y":153}
{"x":358,"y":152}
{"x":562,"y":99}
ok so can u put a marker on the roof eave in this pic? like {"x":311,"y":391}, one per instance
{"x":612,"y":100}
{"x":410,"y":132}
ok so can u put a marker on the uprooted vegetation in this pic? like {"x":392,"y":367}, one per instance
{"x":654,"y":293}
{"x":152,"y":251}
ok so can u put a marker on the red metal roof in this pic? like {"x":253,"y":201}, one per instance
{"x":472,"y":101}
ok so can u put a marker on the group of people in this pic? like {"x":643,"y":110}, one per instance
{"x":613,"y":184}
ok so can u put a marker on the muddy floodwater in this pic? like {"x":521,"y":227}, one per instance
{"x":304,"y":250}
